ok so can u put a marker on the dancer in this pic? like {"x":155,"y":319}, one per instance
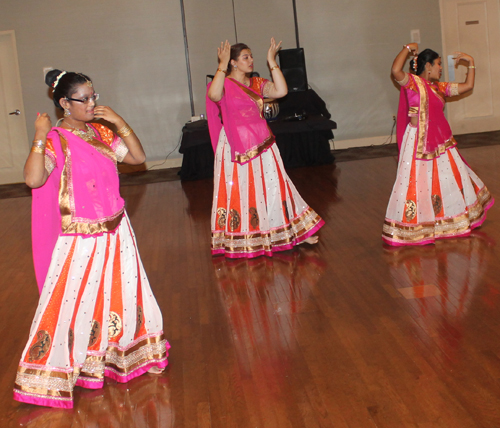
{"x":256,"y":209}
{"x":97,"y":315}
{"x":436,"y":195}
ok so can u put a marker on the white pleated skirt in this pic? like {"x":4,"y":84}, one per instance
{"x":256,"y":209}
{"x":96,"y":317}
{"x":433,"y":199}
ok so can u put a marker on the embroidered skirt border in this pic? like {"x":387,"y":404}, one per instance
{"x":53,"y":387}
{"x":235,"y":245}
{"x":398,"y":234}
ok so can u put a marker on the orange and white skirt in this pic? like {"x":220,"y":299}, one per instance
{"x":256,"y":209}
{"x":96,"y":317}
{"x":435,"y":199}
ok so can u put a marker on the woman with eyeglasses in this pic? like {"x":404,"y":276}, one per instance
{"x":97,"y":315}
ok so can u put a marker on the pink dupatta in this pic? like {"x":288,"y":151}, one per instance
{"x":247,"y":131}
{"x":92,"y":197}
{"x":434,"y":134}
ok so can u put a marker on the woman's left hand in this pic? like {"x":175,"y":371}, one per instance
{"x":460,"y":55}
{"x":107,"y":113}
{"x":273,"y":50}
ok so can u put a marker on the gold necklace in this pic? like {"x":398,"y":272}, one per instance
{"x":87,"y":135}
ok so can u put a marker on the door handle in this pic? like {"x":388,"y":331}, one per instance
{"x":17,"y":113}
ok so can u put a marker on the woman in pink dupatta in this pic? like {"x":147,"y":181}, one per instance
{"x":97,"y":315}
{"x":436,"y":195}
{"x":256,"y":209}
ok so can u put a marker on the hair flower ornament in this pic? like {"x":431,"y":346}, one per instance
{"x":415,"y":65}
{"x":56,"y":82}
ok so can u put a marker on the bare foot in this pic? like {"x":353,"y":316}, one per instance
{"x":311,"y":240}
{"x":155,"y":370}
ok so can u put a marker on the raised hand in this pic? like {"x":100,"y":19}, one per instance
{"x":107,"y":113}
{"x":223,"y":54}
{"x":413,"y":48}
{"x":273,"y":50}
{"x":43,"y":124}
{"x":460,"y":55}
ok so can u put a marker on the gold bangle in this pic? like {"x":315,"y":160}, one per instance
{"x":276,"y":66}
{"x":220,"y":69}
{"x":37,"y":149}
{"x":125,"y":131}
{"x":39,"y":143}
{"x":471,"y":66}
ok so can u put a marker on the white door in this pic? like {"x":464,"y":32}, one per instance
{"x":14,"y":145}
{"x":473,"y":27}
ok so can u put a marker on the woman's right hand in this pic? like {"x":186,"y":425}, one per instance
{"x":224,"y":53}
{"x":413,"y":48}
{"x":43,"y":125}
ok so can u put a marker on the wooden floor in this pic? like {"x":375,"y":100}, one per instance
{"x":347,"y":333}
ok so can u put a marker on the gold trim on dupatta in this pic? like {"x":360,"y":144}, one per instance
{"x":423,"y":124}
{"x":255,"y":98}
{"x":423,"y":116}
{"x":68,"y":223}
{"x":254,"y":152}
{"x":268,"y":142}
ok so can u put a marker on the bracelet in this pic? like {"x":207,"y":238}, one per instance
{"x":39,"y":143}
{"x":471,"y":66}
{"x":220,"y":69}
{"x":38,"y":149}
{"x":407,"y":47}
{"x":125,"y":131}
{"x":276,"y":66}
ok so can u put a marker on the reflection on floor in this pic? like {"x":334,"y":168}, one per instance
{"x":348,"y":333}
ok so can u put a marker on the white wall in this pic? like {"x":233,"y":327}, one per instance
{"x":134,"y":52}
{"x":350,"y":46}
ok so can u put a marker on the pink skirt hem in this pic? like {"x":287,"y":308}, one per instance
{"x":47,"y":402}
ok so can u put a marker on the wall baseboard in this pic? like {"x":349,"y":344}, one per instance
{"x":361,"y":142}
{"x":150,"y":165}
{"x":334,"y":145}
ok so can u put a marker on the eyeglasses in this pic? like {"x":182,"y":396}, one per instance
{"x":85,"y":100}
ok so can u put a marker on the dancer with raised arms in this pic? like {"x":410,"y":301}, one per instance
{"x":256,"y":209}
{"x":436,"y":194}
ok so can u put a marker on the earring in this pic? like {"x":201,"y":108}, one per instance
{"x":235,"y":67}
{"x":67,"y":112}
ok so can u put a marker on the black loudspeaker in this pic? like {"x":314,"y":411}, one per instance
{"x":293,"y":66}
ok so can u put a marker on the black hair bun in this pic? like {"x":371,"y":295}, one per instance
{"x":51,"y":77}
